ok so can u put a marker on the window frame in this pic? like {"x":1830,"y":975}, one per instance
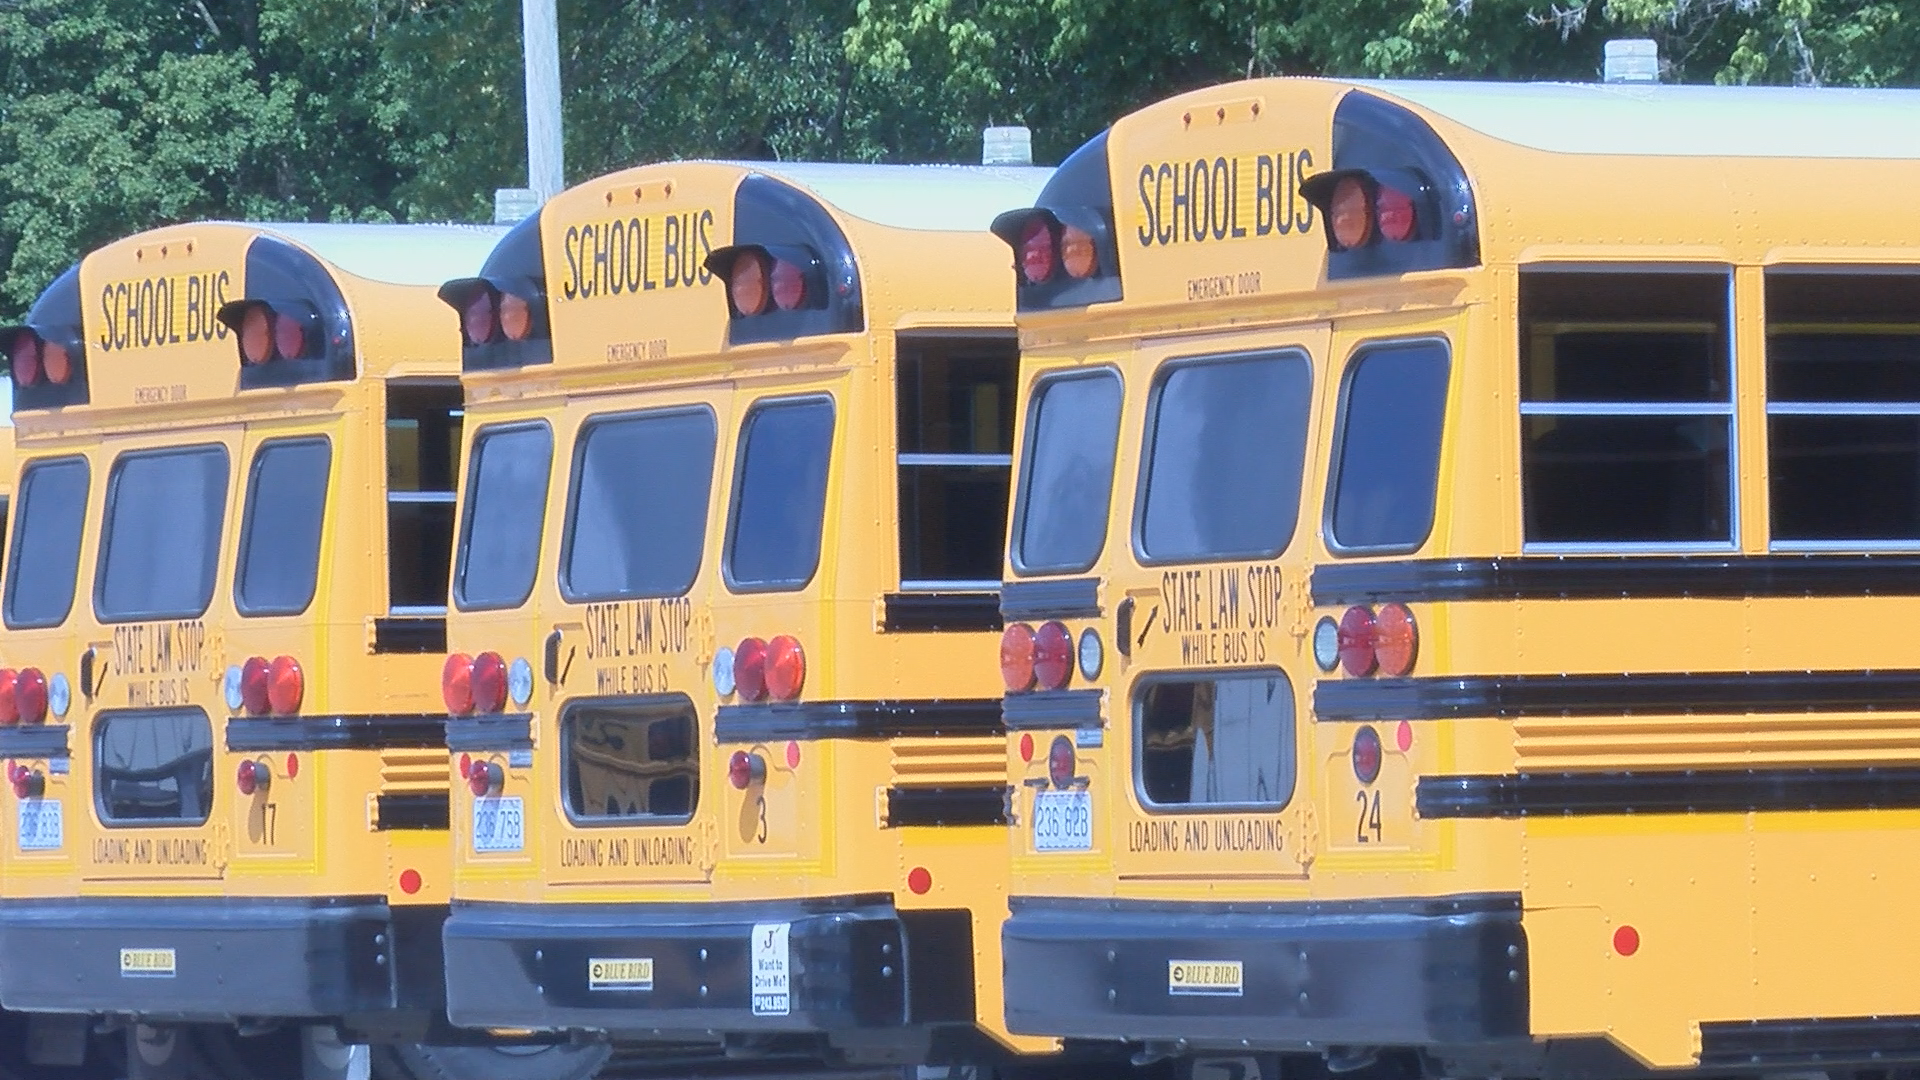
{"x":576,"y":461}
{"x":97,"y":733}
{"x":1336,"y":458}
{"x":1150,"y":430}
{"x":240,"y":605}
{"x":18,"y":522}
{"x":1729,"y":409}
{"x":463,"y":528}
{"x":917,"y":347}
{"x":565,"y":759}
{"x":109,"y":510}
{"x":733,"y":584}
{"x":1017,"y":522}
{"x":1136,"y":702}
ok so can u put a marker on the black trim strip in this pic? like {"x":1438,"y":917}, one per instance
{"x":953,"y":804}
{"x":952,"y":612}
{"x":1061,"y":599}
{"x":1587,"y":577}
{"x":1711,"y":693}
{"x":410,"y":634}
{"x":34,"y":741}
{"x":422,"y":810}
{"x":396,"y":732}
{"x":856,"y":720}
{"x":1051,"y":709}
{"x":511,"y":732}
{"x":1518,"y":795}
{"x":1874,"y":1040}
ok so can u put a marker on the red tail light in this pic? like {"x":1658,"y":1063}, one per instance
{"x":256,"y":334}
{"x":28,"y":783}
{"x":516,"y":317}
{"x":1017,"y":656}
{"x":1036,"y":250}
{"x":30,"y":695}
{"x":286,"y":685}
{"x":9,"y":707}
{"x":486,"y":778}
{"x":25,"y":358}
{"x":789,"y":285}
{"x":747,"y":284}
{"x":488,"y":683}
{"x":253,"y":686}
{"x":1026,"y":746}
{"x":1077,"y":254}
{"x":1060,"y":761}
{"x":477,"y":319}
{"x":456,"y":684}
{"x":1366,"y":754}
{"x":1394,"y":210}
{"x":1356,"y":641}
{"x":466,"y":766}
{"x":1052,"y":655}
{"x":746,"y":769}
{"x":252,"y":776}
{"x":786,"y":667}
{"x":289,"y":338}
{"x":56,"y":362}
{"x":750,"y":669}
{"x":1351,"y":213}
{"x":1396,"y":640}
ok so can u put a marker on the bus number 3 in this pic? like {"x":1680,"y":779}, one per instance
{"x":760,"y":803}
{"x":1368,"y":831}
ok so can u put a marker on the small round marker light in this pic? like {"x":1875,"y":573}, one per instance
{"x":722,"y":671}
{"x":1326,"y":643}
{"x":1060,"y":762}
{"x":252,"y":776}
{"x":1093,"y":654}
{"x":520,"y":681}
{"x":59,"y":694}
{"x":1366,"y":754}
{"x":745,"y":769}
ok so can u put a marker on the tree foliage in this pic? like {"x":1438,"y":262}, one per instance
{"x":120,"y":115}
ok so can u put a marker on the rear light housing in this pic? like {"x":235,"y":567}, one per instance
{"x":750,"y":669}
{"x":488,"y":683}
{"x":253,"y":776}
{"x":486,"y":778}
{"x":267,"y":333}
{"x":1366,"y":754}
{"x":746,"y":769}
{"x":1396,"y":639}
{"x":786,"y":667}
{"x":1060,"y":761}
{"x":286,"y":685}
{"x":253,"y":686}
{"x":1356,"y":641}
{"x":1017,"y":649}
{"x":1052,"y":655}
{"x":456,"y":684}
{"x":28,"y":783}
{"x":479,"y":319}
{"x":30,"y":695}
{"x":1366,"y":641}
{"x":1037,"y":254}
{"x":747,"y":288}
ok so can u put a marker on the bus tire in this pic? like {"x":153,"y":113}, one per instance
{"x":559,"y":1061}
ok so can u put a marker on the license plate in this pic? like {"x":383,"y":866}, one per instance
{"x":40,"y":825}
{"x":1063,"y":821}
{"x":498,"y":824}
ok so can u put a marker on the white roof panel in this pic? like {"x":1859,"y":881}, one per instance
{"x":396,"y":254}
{"x":1729,"y":121}
{"x":957,"y":198}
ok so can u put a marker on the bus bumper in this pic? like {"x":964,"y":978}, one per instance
{"x":676,"y":970}
{"x":1416,"y":972}
{"x":204,"y":958}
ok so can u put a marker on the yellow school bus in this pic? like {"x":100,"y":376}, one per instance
{"x":1449,"y":521}
{"x":239,"y":446}
{"x":723,"y":614}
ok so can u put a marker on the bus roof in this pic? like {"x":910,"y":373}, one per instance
{"x":946,"y":197}
{"x":395,"y":254}
{"x":1692,"y":121}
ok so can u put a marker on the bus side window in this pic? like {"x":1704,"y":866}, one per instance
{"x":1626,"y":408}
{"x":955,"y":417}
{"x":1843,"y":407}
{"x":423,"y":450}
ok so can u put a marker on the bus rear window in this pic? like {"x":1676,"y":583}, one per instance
{"x":1227,"y":740}
{"x":1066,"y":486}
{"x":631,"y":760}
{"x":160,"y":543}
{"x":780,"y":494}
{"x":1226,"y":446}
{"x":46,"y":542}
{"x":505,"y":507}
{"x":280,"y":538}
{"x":1626,"y":409}
{"x":637,"y":514}
{"x":954,"y":417}
{"x":1843,"y":408}
{"x":1388,"y":451}
{"x":153,"y":767}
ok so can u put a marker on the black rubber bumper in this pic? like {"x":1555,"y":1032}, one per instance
{"x":1421,"y":972}
{"x":688,"y":969}
{"x":198,"y":959}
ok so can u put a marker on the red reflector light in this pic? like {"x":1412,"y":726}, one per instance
{"x":30,"y":695}
{"x":516,"y":317}
{"x":746,"y":769}
{"x":256,"y":334}
{"x":1036,"y":250}
{"x":1026,"y":746}
{"x":1052,"y":655}
{"x":286,"y":685}
{"x":1366,"y":754}
{"x":25,"y":358}
{"x":1350,"y":213}
{"x":747,"y":284}
{"x":1356,"y":641}
{"x":9,"y":708}
{"x":1626,"y":941}
{"x":750,"y":669}
{"x":293,"y":765}
{"x":1396,"y":640}
{"x":456,"y":685}
{"x":1060,"y":761}
{"x":786,"y":667}
{"x":253,"y":685}
{"x":920,"y":881}
{"x":789,"y":285}
{"x":409,"y":881}
{"x":56,"y":362}
{"x":793,"y":754}
{"x":1403,"y":736}
{"x":252,"y":776}
{"x":488,"y":683}
{"x":1016,"y":656}
{"x":1395,"y":212}
{"x":477,"y":319}
{"x":289,"y":337}
{"x":1077,"y":253}
{"x":466,"y":766}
